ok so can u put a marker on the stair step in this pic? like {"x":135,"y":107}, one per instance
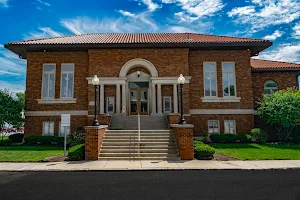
{"x":141,"y":147}
{"x":174,"y":151}
{"x":105,"y":143}
{"x":139,"y":158}
{"x":136,"y":154}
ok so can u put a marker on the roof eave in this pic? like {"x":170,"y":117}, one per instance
{"x":275,"y":69}
{"x":21,"y":49}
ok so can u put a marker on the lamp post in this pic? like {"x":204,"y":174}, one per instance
{"x":180,"y":81}
{"x":95,"y":82}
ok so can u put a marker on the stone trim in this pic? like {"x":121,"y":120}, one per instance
{"x":56,"y":101}
{"x":56,"y":113}
{"x":168,"y":80}
{"x":222,"y":112}
{"x":221,"y":99}
{"x":108,"y":80}
{"x":136,"y":62}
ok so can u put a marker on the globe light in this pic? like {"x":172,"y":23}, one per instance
{"x":181,"y":79}
{"x":95,"y":80}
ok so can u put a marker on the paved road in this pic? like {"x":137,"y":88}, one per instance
{"x":204,"y":185}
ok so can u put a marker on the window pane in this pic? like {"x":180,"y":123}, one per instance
{"x":270,"y":84}
{"x":225,"y":84}
{"x":46,"y":128}
{"x":207,"y":84}
{"x":45,"y":85}
{"x":209,"y":66}
{"x":51,"y":128}
{"x":213,"y":84}
{"x":51,"y":85}
{"x":227,"y":66}
{"x":70,"y":85}
{"x":49,"y":68}
{"x":67,"y":67}
{"x":64,"y":78}
{"x":232,"y":84}
{"x":299,"y":81}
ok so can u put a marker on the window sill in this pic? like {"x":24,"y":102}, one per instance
{"x":56,"y":101}
{"x":221,"y":99}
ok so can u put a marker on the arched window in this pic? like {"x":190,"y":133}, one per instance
{"x":298,"y":81}
{"x":270,"y":87}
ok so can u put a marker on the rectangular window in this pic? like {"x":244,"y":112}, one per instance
{"x":210,"y":79}
{"x":213,"y":127}
{"x":228,"y":73}
{"x":110,"y":105}
{"x":63,"y":130}
{"x":48,"y":128}
{"x":67,"y":81}
{"x":229,"y":127}
{"x":48,"y":82}
{"x":167,"y":104}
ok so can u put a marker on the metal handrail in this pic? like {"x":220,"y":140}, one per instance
{"x":139,"y":134}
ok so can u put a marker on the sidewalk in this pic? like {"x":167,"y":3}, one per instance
{"x":150,"y":165}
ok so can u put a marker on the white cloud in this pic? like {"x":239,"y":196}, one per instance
{"x":266,"y":13}
{"x":43,"y":32}
{"x":44,"y":3}
{"x":126,"y":13}
{"x":296,"y":30}
{"x":286,"y":52}
{"x":10,"y":63}
{"x":274,"y":36}
{"x":151,"y":5}
{"x":12,"y":86}
{"x":180,"y":29}
{"x":195,"y":9}
{"x":4,"y":3}
{"x":80,"y":25}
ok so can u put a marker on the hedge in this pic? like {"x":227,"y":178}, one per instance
{"x":16,"y":138}
{"x":44,"y":140}
{"x":77,"y":152}
{"x":230,"y":138}
{"x":203,"y":151}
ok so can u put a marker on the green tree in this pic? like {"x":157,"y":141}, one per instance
{"x":282,"y":110}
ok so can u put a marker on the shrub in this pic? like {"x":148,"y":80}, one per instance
{"x":42,"y":140}
{"x":16,"y":138}
{"x":259,"y":135}
{"x":203,"y":151}
{"x":224,"y":138}
{"x":217,"y":138}
{"x":205,"y":138}
{"x":77,"y":152}
{"x":245,"y":138}
{"x":76,"y":138}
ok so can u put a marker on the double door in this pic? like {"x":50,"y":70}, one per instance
{"x":139,"y":101}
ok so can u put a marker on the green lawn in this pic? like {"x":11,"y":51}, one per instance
{"x":259,"y":151}
{"x":28,"y":153}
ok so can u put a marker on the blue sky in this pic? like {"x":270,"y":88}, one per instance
{"x":276,"y":20}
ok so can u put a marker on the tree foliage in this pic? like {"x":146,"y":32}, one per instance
{"x":11,"y":107}
{"x":281,"y":109}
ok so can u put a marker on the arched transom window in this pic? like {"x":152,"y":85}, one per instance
{"x":270,"y":87}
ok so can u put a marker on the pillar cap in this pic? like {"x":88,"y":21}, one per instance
{"x":96,"y":127}
{"x":181,"y":125}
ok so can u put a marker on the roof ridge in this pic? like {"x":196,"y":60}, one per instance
{"x":275,"y":61}
{"x":230,"y":36}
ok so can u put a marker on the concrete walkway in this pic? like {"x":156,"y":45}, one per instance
{"x":149,"y":165}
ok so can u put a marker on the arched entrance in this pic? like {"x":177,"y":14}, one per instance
{"x":138,"y":73}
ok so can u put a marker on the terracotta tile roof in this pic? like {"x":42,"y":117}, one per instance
{"x":269,"y":64}
{"x":139,"y":38}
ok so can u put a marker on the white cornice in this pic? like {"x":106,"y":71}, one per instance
{"x":55,"y":113}
{"x":222,"y":112}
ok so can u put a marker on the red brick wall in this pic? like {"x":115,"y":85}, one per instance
{"x":242,"y":72}
{"x":244,"y":123}
{"x":283,"y":79}
{"x":34,"y":125}
{"x":35,"y":61}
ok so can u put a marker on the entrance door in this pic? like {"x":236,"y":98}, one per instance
{"x":139,"y":101}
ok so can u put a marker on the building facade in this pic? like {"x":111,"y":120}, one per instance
{"x":138,"y":75}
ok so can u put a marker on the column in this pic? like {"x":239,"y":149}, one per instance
{"x":175,"y":100}
{"x":118,"y":99}
{"x":153,"y":100}
{"x":101,"y":99}
{"x":124,"y":97}
{"x":159,"y":110}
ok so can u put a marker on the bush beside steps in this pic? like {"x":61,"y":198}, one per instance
{"x":77,"y":152}
{"x":203,"y":151}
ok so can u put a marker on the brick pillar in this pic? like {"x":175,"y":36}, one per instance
{"x":173,"y":118}
{"x":93,"y":141}
{"x":104,"y":119}
{"x":184,"y":137}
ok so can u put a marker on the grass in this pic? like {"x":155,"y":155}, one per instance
{"x":259,"y":151}
{"x":28,"y":153}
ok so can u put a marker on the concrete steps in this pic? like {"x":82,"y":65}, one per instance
{"x":124,"y":145}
